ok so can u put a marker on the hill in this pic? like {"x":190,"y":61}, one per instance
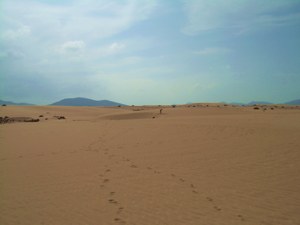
{"x":294,"y":102}
{"x":85,"y":102}
{"x":2,"y":102}
{"x":259,"y":103}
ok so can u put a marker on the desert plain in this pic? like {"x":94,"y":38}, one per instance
{"x":201,"y":164}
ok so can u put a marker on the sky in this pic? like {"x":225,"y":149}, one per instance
{"x":150,"y":51}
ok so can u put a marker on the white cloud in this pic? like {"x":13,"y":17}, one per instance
{"x":90,"y":19}
{"x":113,"y":48}
{"x":213,"y":51}
{"x":72,"y":47}
{"x":79,"y":29}
{"x":14,"y":34}
{"x":237,"y":16}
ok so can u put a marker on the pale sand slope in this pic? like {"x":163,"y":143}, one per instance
{"x":209,"y":166}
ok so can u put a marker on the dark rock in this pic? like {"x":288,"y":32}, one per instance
{"x":60,"y":117}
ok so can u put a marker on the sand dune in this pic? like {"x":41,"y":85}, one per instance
{"x":215,"y":164}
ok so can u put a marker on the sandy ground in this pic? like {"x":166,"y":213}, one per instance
{"x":191,"y":165}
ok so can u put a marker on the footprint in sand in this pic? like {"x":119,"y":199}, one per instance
{"x":112,"y":201}
{"x":209,"y":199}
{"x":120,"y":209}
{"x":105,"y":180}
{"x":133,"y":166}
{"x":193,"y":189}
{"x":241,"y":217}
{"x":217,"y":208}
{"x":119,"y":220}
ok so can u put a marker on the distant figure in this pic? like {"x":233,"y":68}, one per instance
{"x":160,"y":111}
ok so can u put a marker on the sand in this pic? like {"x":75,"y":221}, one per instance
{"x":215,"y":165}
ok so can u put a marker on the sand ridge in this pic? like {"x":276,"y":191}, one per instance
{"x":188,"y":165}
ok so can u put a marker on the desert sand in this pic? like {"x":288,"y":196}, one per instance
{"x":192,"y":164}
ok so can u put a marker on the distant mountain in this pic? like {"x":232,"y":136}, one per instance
{"x":294,"y":102}
{"x":236,"y":103}
{"x":259,"y":103}
{"x":85,"y":102}
{"x":2,"y":102}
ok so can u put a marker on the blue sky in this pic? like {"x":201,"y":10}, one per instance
{"x":150,"y":52}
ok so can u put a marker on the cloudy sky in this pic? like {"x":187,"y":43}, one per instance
{"x":150,"y":52}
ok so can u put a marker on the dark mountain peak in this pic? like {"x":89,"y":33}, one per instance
{"x":259,"y":103}
{"x":80,"y":101}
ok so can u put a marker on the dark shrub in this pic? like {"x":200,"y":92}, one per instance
{"x":31,"y":120}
